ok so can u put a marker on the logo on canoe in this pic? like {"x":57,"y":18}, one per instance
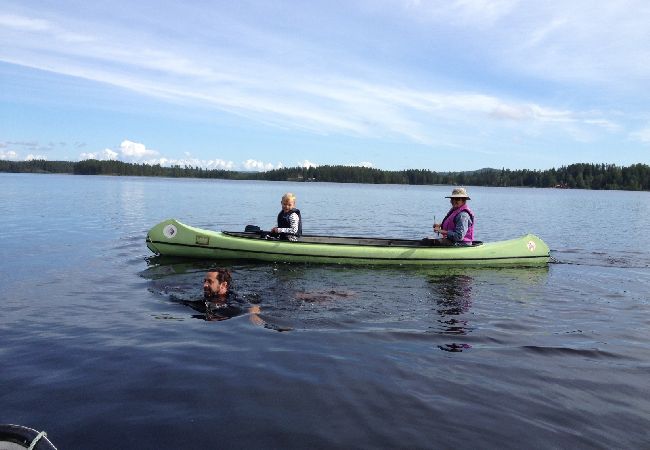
{"x":531,"y":246}
{"x":202,"y":240}
{"x":170,"y":231}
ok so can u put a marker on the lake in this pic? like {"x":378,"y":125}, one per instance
{"x":100,"y":349}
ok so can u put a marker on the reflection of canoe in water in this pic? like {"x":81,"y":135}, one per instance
{"x":173,"y":238}
{"x":17,"y":437}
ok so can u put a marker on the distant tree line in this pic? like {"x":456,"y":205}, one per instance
{"x":582,"y":176}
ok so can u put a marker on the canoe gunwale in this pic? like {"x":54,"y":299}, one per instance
{"x":357,"y":241}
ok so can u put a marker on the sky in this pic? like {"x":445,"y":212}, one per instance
{"x":443,"y":85}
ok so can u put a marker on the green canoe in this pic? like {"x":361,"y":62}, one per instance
{"x":173,"y":238}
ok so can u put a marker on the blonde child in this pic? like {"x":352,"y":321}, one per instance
{"x":289,"y":219}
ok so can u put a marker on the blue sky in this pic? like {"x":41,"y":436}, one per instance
{"x":392,"y":84}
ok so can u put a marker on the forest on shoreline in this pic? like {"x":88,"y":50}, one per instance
{"x":575,"y":176}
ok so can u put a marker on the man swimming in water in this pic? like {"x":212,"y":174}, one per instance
{"x":220,"y":302}
{"x":216,"y":284}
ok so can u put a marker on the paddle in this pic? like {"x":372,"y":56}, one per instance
{"x":434,"y":224}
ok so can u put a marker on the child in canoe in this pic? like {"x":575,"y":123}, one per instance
{"x":289,"y":219}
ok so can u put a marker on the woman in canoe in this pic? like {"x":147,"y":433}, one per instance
{"x":457,"y":228}
{"x":289,"y":219}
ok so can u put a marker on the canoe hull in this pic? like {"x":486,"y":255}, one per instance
{"x":173,"y":238}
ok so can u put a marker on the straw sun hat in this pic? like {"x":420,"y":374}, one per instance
{"x":459,"y":193}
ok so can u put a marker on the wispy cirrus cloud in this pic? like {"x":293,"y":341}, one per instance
{"x":642,"y":135}
{"x":482,"y":13}
{"x":495,"y":78}
{"x":601,"y":44}
{"x":267,"y":91}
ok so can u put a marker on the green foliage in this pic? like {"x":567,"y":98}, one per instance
{"x":582,"y":176}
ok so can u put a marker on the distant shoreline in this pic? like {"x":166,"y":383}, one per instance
{"x":575,"y":176}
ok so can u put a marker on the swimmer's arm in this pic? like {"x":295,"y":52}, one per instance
{"x":254,"y":312}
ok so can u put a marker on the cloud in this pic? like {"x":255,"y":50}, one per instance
{"x":210,"y":164}
{"x":32,"y":157}
{"x":8,"y":154}
{"x":603,"y":45}
{"x":511,"y":112}
{"x":104,"y":155}
{"x":21,"y":23}
{"x":218,"y":164}
{"x":129,"y":151}
{"x":35,"y":25}
{"x":270,"y":91}
{"x":545,"y":31}
{"x":135,"y":150}
{"x":260,"y":166}
{"x":484,"y":76}
{"x":642,"y":135}
{"x":365,"y":164}
{"x":481,"y":13}
{"x":307,"y":164}
{"x":11,"y":155}
{"x":29,"y":144}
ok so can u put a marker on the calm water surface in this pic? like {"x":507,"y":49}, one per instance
{"x":100,"y":350}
